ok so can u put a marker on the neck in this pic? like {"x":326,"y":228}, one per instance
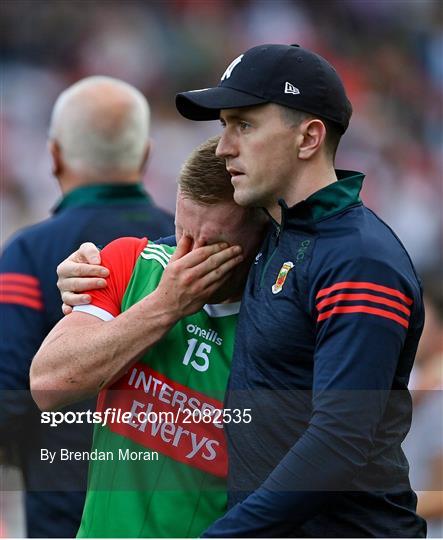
{"x":70,"y":182}
{"x":306,"y":182}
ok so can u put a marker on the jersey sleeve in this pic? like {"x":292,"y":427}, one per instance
{"x":23,"y":323}
{"x":363,"y":310}
{"x":119,"y":257}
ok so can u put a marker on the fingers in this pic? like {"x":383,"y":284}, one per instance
{"x":197,"y":256}
{"x":199,"y":243}
{"x":184,"y":247}
{"x":71,"y":299}
{"x":66,"y":309}
{"x":78,"y":273}
{"x":89,"y":253}
{"x":207,"y":260}
{"x":220,"y":272}
{"x":83,"y":262}
{"x":73,"y":268}
{"x":81,"y":284}
{"x":69,"y":269}
{"x":216,"y":260}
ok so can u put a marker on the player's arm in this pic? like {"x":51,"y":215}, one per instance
{"x":360,"y":335}
{"x":82,"y":354}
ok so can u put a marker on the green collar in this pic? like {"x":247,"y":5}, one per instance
{"x":329,"y":200}
{"x":102,"y":194}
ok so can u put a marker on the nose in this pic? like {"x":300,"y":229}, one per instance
{"x":226,"y":147}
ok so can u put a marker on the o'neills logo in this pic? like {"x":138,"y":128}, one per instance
{"x":210,"y":335}
{"x":162,"y":418}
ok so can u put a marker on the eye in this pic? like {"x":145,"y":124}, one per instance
{"x":222,"y":123}
{"x":244,"y":125}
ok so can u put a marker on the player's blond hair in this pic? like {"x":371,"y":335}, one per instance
{"x":203,"y":176}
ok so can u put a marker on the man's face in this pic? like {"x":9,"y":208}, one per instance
{"x":221,"y":222}
{"x":261,"y":154}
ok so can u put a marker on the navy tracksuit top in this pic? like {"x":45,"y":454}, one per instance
{"x":327,"y":333}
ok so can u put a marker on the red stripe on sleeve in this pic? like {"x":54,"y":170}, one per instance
{"x":363,"y":309}
{"x":368,"y":297}
{"x":23,"y":279}
{"x":20,"y":289}
{"x":364,"y":285}
{"x":21,"y":301}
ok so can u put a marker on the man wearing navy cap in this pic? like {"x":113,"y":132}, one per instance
{"x":330,"y":320}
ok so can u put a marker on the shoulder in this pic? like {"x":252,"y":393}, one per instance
{"x":122,"y":253}
{"x":360,"y":236}
{"x":56,"y":228}
{"x":30,"y":233}
{"x":360,"y":255}
{"x":130,"y":245}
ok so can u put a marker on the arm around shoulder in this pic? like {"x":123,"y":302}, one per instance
{"x":83,"y":354}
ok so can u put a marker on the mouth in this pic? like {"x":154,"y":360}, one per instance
{"x":235,"y":173}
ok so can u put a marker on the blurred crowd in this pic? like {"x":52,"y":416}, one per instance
{"x":389,"y":53}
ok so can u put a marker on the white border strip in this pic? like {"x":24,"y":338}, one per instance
{"x":157,"y":252}
{"x":222,"y":310}
{"x":96,"y":311}
{"x":154,"y":257}
{"x":160,"y":248}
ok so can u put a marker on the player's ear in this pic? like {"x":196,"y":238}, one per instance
{"x":314,"y":133}
{"x":56,"y":159}
{"x":146,"y":153}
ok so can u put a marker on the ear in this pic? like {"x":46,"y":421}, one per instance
{"x":314,"y":133}
{"x":145,"y":158}
{"x":56,"y":159}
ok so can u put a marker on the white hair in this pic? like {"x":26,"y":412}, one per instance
{"x":101,"y":125}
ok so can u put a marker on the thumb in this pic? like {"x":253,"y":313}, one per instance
{"x":184,"y":247}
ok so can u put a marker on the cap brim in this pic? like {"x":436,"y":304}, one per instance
{"x":206,"y":104}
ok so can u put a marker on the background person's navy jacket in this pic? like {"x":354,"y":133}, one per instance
{"x":30,"y":306}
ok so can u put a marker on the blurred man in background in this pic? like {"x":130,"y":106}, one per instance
{"x":99,"y":145}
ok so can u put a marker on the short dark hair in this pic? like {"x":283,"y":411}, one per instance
{"x":294,"y":117}
{"x":204,"y":178}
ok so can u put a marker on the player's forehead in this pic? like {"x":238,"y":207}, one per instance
{"x":211,"y":221}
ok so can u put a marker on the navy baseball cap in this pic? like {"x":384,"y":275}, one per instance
{"x":288,"y":75}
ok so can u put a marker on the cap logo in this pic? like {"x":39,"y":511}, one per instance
{"x":199,"y":90}
{"x":231,"y":67}
{"x":291,"y":89}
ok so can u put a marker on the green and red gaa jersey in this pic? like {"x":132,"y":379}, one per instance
{"x":131,"y":493}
